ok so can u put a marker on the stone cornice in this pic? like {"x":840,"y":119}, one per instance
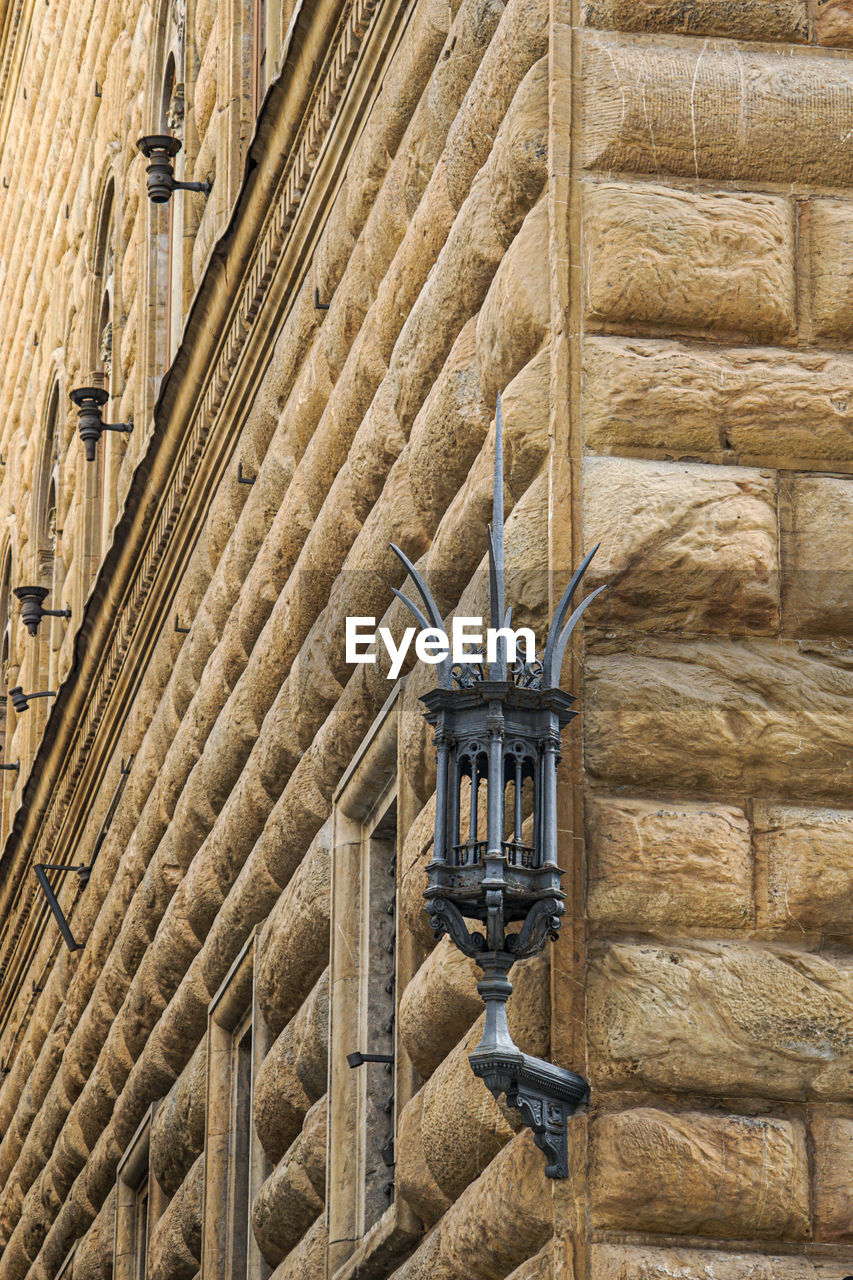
{"x":295,"y":163}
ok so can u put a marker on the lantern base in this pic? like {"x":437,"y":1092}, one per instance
{"x":544,"y":1094}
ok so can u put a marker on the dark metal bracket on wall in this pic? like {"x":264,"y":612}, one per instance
{"x":85,"y":870}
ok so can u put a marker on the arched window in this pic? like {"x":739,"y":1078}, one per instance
{"x":7,"y":715}
{"x":49,"y":569}
{"x":100,"y":494}
{"x":163,"y":268}
{"x":260,"y":52}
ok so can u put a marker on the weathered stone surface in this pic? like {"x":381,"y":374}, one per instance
{"x":308,"y":1259}
{"x":759,"y":402}
{"x":660,"y":256}
{"x":721,"y":1018}
{"x":684,"y":548}
{"x":415,"y":1180}
{"x":438,"y":1006}
{"x":668,"y":866}
{"x":832,"y":1135}
{"x":294,"y":945}
{"x":539,"y":1268}
{"x":816,"y":516}
{"x":286,"y":1206}
{"x":487,"y":1232}
{"x":626,"y":1262}
{"x":721,"y":718}
{"x":175,"y":1249}
{"x":716,"y":1175}
{"x":826,"y":239}
{"x":805,"y":868}
{"x":834,"y":22}
{"x":759,"y":20}
{"x":721,"y":112}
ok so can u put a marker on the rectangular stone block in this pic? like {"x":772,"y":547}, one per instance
{"x":725,"y":719}
{"x":826,"y":246}
{"x":721,"y":1018}
{"x":834,"y":22}
{"x":716,"y":112}
{"x":705,"y":261}
{"x":645,"y":1262}
{"x":832,"y":1136}
{"x":804,"y":863}
{"x":668,"y":866}
{"x":756,"y":20}
{"x":761,"y":403}
{"x":816,"y":515}
{"x":694,"y":1174}
{"x":684,"y":547}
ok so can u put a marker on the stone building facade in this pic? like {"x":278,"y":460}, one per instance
{"x":632,"y":217}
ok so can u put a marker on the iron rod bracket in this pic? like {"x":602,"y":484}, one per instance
{"x":53,"y":902}
{"x":356,"y":1059}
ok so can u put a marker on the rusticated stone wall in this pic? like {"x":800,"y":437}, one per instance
{"x":699,"y":427}
{"x":717,"y":437}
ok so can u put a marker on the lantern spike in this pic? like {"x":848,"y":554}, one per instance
{"x":435,"y":618}
{"x":497,"y":534}
{"x":552,"y":673}
{"x":559,"y":618}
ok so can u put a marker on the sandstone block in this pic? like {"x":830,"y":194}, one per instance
{"x":539,"y":1268}
{"x":725,"y":1176}
{"x":415,"y":1181}
{"x":668,"y":866}
{"x":516,"y":314}
{"x":833,"y":1176}
{"x":626,"y":1262}
{"x":762,"y":403}
{"x":759,"y":20}
{"x":688,"y":260}
{"x":723,"y":719}
{"x":721,"y":1018}
{"x":805,"y":868}
{"x":826,"y":239}
{"x":834,"y":21}
{"x":683,"y":547}
{"x":438,"y":1006}
{"x":817,"y":556}
{"x":487,"y":1233}
{"x":721,"y":112}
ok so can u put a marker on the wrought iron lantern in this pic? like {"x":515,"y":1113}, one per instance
{"x":32,"y":612}
{"x":160,"y":150}
{"x":21,"y":701}
{"x":90,"y":401}
{"x":497,"y":734}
